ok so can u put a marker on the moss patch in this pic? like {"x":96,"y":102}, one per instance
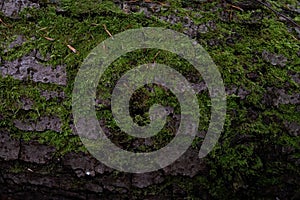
{"x":255,"y":150}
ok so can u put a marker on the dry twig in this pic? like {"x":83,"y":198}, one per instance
{"x":48,"y":38}
{"x":155,"y":56}
{"x":278,"y":13}
{"x":236,"y":7}
{"x":107,"y":31}
{"x":72,"y":48}
{"x":1,"y":21}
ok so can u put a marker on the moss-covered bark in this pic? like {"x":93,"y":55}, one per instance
{"x":257,"y":53}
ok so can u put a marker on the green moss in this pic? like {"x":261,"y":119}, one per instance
{"x":234,"y":161}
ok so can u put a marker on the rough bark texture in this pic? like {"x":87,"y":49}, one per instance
{"x":41,"y":157}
